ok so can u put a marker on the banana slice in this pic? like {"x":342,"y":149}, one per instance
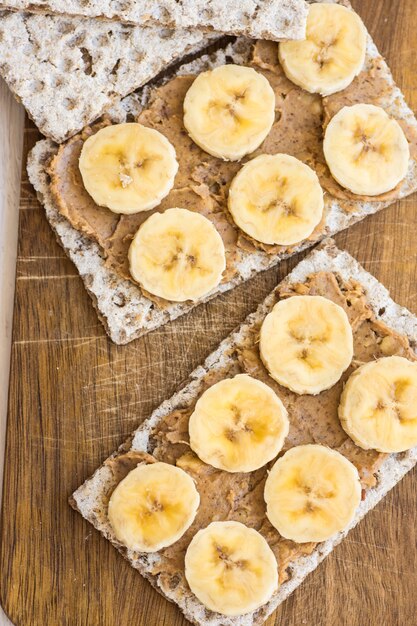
{"x":238,"y":425}
{"x":306,"y":343}
{"x":177,"y":255}
{"x":332,"y":54}
{"x":128,"y":168}
{"x":231,"y":568}
{"x":229,"y":111}
{"x":276,"y":199}
{"x":366,"y":150}
{"x":378,"y":406}
{"x":311,"y":493}
{"x":153,"y":506}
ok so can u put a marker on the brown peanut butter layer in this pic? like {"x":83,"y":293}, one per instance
{"x":313,"y":419}
{"x":203,"y":181}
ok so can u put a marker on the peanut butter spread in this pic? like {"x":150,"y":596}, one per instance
{"x":203,"y":181}
{"x":313,"y":419}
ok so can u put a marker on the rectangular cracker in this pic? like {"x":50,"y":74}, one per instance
{"x":67,"y":71}
{"x":278,"y":20}
{"x":91,"y":498}
{"x":125,"y":312}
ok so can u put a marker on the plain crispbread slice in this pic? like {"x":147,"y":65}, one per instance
{"x":90,"y":499}
{"x":124,"y":310}
{"x":261,"y":19}
{"x":67,"y":71}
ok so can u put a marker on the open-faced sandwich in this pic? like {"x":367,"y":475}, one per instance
{"x":221,"y":173}
{"x":298,"y":424}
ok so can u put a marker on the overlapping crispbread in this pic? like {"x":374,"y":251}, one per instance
{"x":92,"y":497}
{"x":67,"y":71}
{"x":278,"y":20}
{"x":68,"y":68}
{"x":124,"y":310}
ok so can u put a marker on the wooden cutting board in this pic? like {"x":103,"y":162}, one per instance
{"x":74,"y":397}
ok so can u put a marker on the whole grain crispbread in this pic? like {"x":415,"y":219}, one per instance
{"x":91,"y":498}
{"x":124,"y":310}
{"x":67,"y":71}
{"x":278,"y":20}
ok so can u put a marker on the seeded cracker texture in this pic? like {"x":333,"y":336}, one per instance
{"x":124,"y":311}
{"x":261,"y":19}
{"x":67,"y":71}
{"x":90,"y":498}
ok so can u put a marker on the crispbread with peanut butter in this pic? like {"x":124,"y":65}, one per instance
{"x":380,"y":327}
{"x":124,"y":309}
{"x":261,"y":19}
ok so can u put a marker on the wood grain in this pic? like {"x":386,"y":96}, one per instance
{"x":74,"y":397}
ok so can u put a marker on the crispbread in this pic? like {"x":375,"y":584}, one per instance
{"x":90,"y":499}
{"x":278,"y":20}
{"x":67,"y":71}
{"x":125,"y":312}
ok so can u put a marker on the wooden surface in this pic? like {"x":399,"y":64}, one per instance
{"x":74,"y":397}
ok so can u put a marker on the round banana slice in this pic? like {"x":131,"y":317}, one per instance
{"x":332,"y":54}
{"x":238,"y":425}
{"x":311,"y":493}
{"x":306,"y":343}
{"x":177,"y":255}
{"x":366,"y":150}
{"x":231,"y":568}
{"x":153,"y":506}
{"x":276,"y":199}
{"x":378,"y":406}
{"x":128,"y":168}
{"x":229,"y":111}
